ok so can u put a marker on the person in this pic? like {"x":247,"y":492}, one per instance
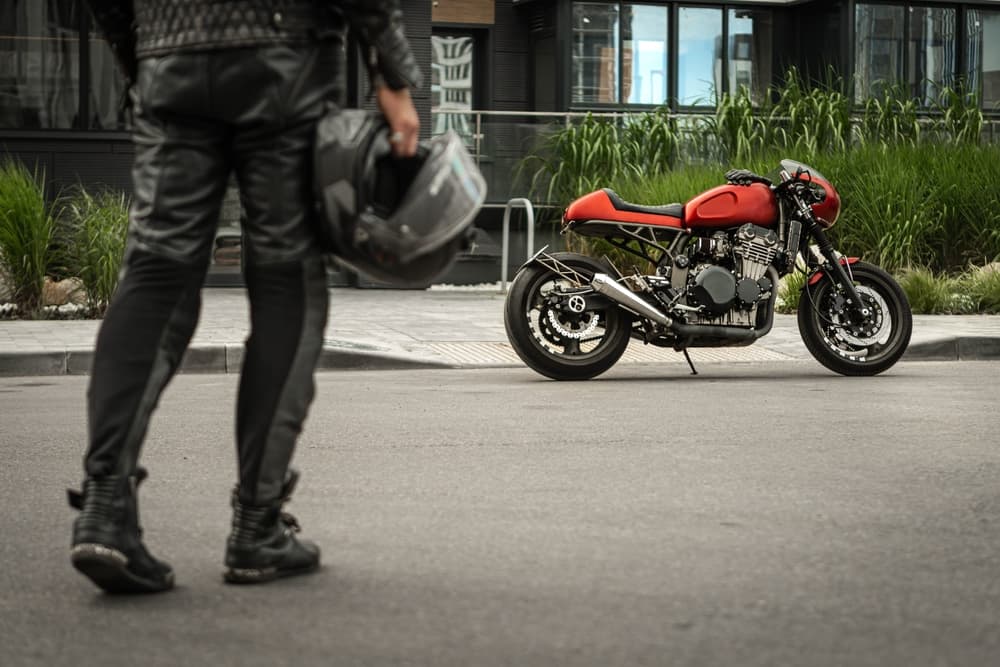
{"x":219,"y":88}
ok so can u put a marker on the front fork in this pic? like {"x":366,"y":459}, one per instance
{"x":857,"y":309}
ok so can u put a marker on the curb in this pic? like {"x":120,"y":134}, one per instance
{"x":338,"y":355}
{"x":210,"y":359}
{"x":960,"y":348}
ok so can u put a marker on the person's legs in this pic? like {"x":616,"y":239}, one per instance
{"x":286,"y":284}
{"x":180,"y":172}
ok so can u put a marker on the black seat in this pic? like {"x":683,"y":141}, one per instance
{"x":673,"y":210}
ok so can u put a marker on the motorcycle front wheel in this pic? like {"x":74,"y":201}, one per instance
{"x":552,"y":339}
{"x":856,"y":347}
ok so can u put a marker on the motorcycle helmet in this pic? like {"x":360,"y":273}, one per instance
{"x":400,"y":221}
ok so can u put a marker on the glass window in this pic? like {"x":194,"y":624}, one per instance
{"x":984,"y":56}
{"x":452,"y":73}
{"x":595,"y":52}
{"x":931,"y":57}
{"x":644,"y":54}
{"x":878,"y":49}
{"x":750,"y":38}
{"x":39,"y":63}
{"x":107,"y":86}
{"x":699,"y":56}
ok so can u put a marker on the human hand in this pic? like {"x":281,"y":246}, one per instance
{"x":404,"y":124}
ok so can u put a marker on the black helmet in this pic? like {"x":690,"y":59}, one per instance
{"x":401,"y":221}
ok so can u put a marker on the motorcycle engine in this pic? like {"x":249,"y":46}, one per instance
{"x":729,"y":273}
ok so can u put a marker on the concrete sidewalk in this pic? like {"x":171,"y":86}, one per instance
{"x":435,"y":328}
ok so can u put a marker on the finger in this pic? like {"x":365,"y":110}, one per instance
{"x":404,"y":144}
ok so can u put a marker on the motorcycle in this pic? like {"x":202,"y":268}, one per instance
{"x":715,"y":264}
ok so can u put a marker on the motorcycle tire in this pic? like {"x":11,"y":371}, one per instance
{"x":553,"y":342}
{"x":866,"y":348}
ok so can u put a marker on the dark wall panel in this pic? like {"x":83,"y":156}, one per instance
{"x":417,"y":15}
{"x":512,"y":88}
{"x":511,"y":73}
{"x":94,"y":161}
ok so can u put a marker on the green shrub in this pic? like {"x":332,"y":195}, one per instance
{"x":790,"y":292}
{"x":935,"y":294}
{"x":982,"y":286}
{"x":96,"y":228}
{"x":26,"y":231}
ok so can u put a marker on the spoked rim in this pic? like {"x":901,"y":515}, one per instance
{"x":860,"y":342}
{"x":560,"y":325}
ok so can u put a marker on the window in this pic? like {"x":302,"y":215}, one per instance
{"x":750,"y":58}
{"x":452,"y":84}
{"x":619,"y":53}
{"x":927,"y":63}
{"x":932,"y":56}
{"x":595,"y":53}
{"x":39,"y":64}
{"x":699,"y":56}
{"x":622,"y":53}
{"x":983,"y":29}
{"x":878,"y":50}
{"x":645,"y":54}
{"x":106,"y":86}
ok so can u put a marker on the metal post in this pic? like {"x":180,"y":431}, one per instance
{"x":505,"y":244}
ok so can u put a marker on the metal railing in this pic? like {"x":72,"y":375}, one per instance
{"x":505,"y":244}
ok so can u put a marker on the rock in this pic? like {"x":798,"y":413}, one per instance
{"x":990,"y":269}
{"x":59,"y":293}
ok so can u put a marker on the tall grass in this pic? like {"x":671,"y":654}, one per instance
{"x":794,"y":117}
{"x":982,"y":286}
{"x":595,"y":151}
{"x":96,"y":228}
{"x":26,"y":232}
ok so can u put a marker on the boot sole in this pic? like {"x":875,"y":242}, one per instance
{"x":108,"y":568}
{"x":243,"y":575}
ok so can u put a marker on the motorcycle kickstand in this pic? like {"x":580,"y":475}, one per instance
{"x":690,"y":363}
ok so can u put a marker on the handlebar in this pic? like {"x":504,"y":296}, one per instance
{"x":745,"y":177}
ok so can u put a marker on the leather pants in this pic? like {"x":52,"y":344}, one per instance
{"x":200,"y":117}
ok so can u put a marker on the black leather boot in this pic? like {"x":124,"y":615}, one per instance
{"x":262,"y":545}
{"x":107,"y":540}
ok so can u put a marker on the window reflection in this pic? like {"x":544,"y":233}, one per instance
{"x":595,"y":52}
{"x":750,"y":38}
{"x":452,"y":72}
{"x":39,"y":63}
{"x":932,"y":57}
{"x":878,"y":50}
{"x":984,"y":56}
{"x":644,"y":52}
{"x":107,"y":86}
{"x":699,"y":56}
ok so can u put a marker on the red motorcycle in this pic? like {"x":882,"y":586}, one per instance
{"x":716,"y":264}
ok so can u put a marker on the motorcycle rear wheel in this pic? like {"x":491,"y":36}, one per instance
{"x":848,"y":348}
{"x":555,"y":343}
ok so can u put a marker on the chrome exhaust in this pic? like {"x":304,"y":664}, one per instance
{"x":610,"y":288}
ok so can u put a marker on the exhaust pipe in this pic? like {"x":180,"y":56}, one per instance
{"x":627,"y":299}
{"x":610,"y":288}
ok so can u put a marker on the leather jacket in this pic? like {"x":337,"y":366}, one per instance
{"x":142,"y":28}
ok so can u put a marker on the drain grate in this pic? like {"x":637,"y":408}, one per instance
{"x":501,"y":354}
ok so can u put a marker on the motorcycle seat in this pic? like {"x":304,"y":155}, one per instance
{"x":671,"y":210}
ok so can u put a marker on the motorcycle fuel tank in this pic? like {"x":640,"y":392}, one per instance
{"x":729,"y":205}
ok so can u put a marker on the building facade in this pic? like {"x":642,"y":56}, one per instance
{"x":60,"y":90}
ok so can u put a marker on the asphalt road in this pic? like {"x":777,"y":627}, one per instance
{"x":757,"y":514}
